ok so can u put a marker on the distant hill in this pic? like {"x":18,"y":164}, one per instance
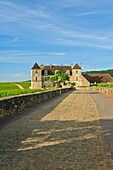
{"x":110,"y":71}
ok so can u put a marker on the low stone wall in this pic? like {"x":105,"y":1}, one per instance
{"x":12,"y":105}
{"x":105,"y":90}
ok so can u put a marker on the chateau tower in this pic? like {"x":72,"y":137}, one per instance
{"x":36,"y":77}
{"x":76,"y":74}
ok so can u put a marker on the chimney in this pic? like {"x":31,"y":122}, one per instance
{"x":51,"y":65}
{"x":71,"y":65}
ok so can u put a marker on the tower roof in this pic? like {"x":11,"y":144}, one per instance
{"x":77,"y":67}
{"x":36,"y":66}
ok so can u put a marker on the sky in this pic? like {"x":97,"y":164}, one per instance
{"x":54,"y":32}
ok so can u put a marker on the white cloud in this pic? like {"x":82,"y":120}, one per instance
{"x":39,"y":12}
{"x":85,"y":14}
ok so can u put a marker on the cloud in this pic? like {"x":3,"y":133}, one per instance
{"x":28,"y":57}
{"x":85,"y":14}
{"x":39,"y":12}
{"x":81,"y":35}
{"x":31,"y":53}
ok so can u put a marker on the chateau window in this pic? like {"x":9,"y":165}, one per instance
{"x":71,"y":73}
{"x":36,"y":78}
{"x":76,"y":78}
{"x":36,"y":71}
{"x":76,"y":71}
{"x":45,"y":72}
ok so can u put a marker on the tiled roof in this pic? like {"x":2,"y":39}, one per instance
{"x":53,"y":68}
{"x":98,"y":78}
{"x":77,"y":67}
{"x":36,"y":66}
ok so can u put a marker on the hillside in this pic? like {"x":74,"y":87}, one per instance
{"x":110,"y":71}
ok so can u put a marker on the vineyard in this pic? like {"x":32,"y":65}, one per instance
{"x":105,"y":84}
{"x":11,"y":89}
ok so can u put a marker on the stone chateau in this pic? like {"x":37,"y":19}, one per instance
{"x":39,"y":74}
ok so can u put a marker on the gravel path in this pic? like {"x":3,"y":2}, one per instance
{"x":61,"y":134}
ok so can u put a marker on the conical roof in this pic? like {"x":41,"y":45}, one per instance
{"x":77,"y":67}
{"x":36,"y":66}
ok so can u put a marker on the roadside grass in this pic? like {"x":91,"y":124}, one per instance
{"x":10,"y":89}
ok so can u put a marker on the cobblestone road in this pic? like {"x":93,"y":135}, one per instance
{"x":61,"y":134}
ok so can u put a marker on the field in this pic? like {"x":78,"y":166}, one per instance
{"x":25,"y":85}
{"x":11,"y":89}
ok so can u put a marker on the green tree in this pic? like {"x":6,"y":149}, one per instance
{"x":58,"y":78}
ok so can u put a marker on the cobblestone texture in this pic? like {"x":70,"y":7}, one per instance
{"x":61,"y":134}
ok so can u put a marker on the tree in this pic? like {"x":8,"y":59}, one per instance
{"x":58,"y":78}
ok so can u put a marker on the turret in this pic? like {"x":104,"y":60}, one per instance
{"x":76,"y":74}
{"x":36,"y":77}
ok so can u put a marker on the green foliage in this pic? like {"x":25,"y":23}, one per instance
{"x":10,"y":89}
{"x":47,"y":78}
{"x":62,"y":77}
{"x":93,"y":85}
{"x":105,"y":85}
{"x":71,"y":83}
{"x":58,"y":78}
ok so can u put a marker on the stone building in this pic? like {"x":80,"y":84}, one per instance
{"x":39,"y":74}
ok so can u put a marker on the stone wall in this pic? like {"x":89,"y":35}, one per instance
{"x":12,"y":105}
{"x":105,"y":90}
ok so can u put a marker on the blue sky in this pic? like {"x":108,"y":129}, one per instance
{"x":54,"y":32}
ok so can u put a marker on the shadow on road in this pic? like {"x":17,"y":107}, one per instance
{"x":53,"y":145}
{"x":20,"y":115}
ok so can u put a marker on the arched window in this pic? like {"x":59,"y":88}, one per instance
{"x":36,"y":78}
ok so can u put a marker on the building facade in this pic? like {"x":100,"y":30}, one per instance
{"x":39,"y":74}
